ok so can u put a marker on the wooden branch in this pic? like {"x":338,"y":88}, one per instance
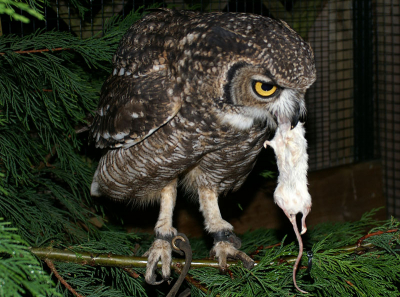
{"x":44,"y":90}
{"x":261,"y":247}
{"x":193,"y":281}
{"x":131,"y":272}
{"x":359,"y":242}
{"x":85,"y":258}
{"x":60,"y":278}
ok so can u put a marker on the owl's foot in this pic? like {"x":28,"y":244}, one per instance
{"x":226,"y":245}
{"x":161,"y":249}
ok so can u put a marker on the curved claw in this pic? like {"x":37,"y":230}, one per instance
{"x":223,"y":249}
{"x":159,"y":250}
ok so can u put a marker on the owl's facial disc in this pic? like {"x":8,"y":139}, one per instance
{"x":260,"y":98}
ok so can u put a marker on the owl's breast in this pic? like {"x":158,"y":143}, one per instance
{"x":228,"y":156}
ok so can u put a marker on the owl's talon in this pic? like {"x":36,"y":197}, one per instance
{"x":246,"y":260}
{"x":227,"y":244}
{"x":228,"y":236}
{"x":223,"y":270}
{"x":160,"y":250}
{"x":224,"y":249}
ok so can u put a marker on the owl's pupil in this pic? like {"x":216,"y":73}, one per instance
{"x":266,"y":87}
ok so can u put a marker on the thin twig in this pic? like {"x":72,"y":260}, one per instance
{"x":131,"y":272}
{"x":193,"y":281}
{"x":359,"y":242}
{"x":47,"y":90}
{"x":39,"y":51}
{"x":44,"y":90}
{"x":261,"y":247}
{"x":54,"y":150}
{"x":197,"y":284}
{"x":47,"y":159}
{"x":60,"y":278}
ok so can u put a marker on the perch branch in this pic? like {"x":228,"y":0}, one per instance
{"x":85,"y":258}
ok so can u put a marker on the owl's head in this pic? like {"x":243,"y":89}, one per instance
{"x":266,"y":68}
{"x":261,"y":97}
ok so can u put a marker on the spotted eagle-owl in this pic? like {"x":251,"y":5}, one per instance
{"x":191,"y":100}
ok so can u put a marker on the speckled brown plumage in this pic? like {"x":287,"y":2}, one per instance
{"x":182,"y":104}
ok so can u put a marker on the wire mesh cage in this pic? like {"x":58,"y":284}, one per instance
{"x":354,"y":106}
{"x":387,"y":82}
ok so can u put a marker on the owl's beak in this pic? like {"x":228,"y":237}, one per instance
{"x":295,"y":118}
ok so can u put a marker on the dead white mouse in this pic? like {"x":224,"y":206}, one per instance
{"x":291,"y":194}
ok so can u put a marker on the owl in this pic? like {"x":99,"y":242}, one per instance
{"x":190,"y":101}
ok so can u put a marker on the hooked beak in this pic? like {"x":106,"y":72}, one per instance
{"x":295,"y":118}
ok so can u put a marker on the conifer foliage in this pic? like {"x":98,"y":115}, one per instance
{"x":47,"y":92}
{"x":49,"y":85}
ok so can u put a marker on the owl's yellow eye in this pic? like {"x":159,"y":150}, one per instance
{"x":264,"y":89}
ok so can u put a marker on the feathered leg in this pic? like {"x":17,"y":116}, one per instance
{"x":161,"y":247}
{"x":226,"y":243}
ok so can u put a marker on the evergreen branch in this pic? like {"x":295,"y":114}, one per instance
{"x":36,"y":209}
{"x":334,"y":269}
{"x":20,"y":272}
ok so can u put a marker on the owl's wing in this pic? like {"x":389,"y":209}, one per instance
{"x":137,"y":99}
{"x":131,"y":109}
